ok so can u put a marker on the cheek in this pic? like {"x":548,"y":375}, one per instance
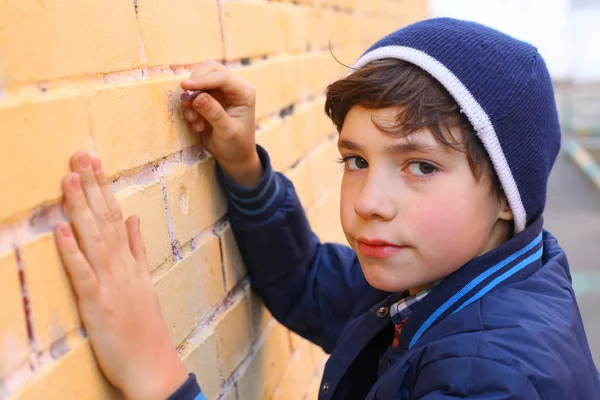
{"x":346,"y":204}
{"x":450,"y":229}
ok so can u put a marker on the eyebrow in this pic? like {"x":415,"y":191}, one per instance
{"x":410,"y":147}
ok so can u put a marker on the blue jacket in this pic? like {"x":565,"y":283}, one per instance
{"x":504,"y":326}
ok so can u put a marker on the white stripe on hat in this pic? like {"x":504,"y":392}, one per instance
{"x":475,"y":113}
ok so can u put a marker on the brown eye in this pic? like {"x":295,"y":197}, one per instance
{"x":420,"y":168}
{"x":426,"y":169}
{"x":355,"y":163}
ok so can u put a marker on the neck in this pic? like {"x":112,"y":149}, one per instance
{"x":500,"y":234}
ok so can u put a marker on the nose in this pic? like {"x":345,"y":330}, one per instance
{"x":375,"y":199}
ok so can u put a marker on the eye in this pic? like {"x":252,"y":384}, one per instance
{"x":420,"y":168}
{"x":353,"y":163}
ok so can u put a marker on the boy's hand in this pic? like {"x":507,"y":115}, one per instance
{"x":106,"y":261}
{"x":225,"y":117}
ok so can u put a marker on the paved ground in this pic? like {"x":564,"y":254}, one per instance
{"x":573,"y":216}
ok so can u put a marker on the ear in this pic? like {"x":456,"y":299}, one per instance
{"x":504,"y":211}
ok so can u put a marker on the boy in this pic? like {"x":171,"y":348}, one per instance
{"x":452,"y":289}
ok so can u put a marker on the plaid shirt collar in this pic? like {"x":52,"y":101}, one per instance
{"x":400,"y":310}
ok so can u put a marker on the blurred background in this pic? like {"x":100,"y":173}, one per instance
{"x":567,"y":34}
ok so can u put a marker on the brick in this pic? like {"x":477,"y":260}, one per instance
{"x":324,"y":127}
{"x":307,"y":2}
{"x":290,"y":85}
{"x":14,"y":345}
{"x":74,"y":376}
{"x":296,"y":340}
{"x":345,"y":31}
{"x":314,"y":71}
{"x":135,"y":123}
{"x":319,"y":357}
{"x":300,"y":176}
{"x":191,"y":288}
{"x":328,"y":27}
{"x":297,"y":28}
{"x":410,"y":11}
{"x":253,"y":28}
{"x":276,"y":136}
{"x":232,"y":259}
{"x":302,"y":128}
{"x":51,"y":297}
{"x":194,"y":198}
{"x":349,"y":5}
{"x":271,"y":79}
{"x":147,"y":202}
{"x":261,"y":318}
{"x":260,"y":376}
{"x":314,"y":388}
{"x":297,"y":376}
{"x":233,"y":336}
{"x":320,"y":28}
{"x":348,"y":55}
{"x":310,"y":125}
{"x":55,"y":39}
{"x":324,"y":217}
{"x":39,"y":138}
{"x":325,"y":172}
{"x":201,"y":359}
{"x":180,"y":32}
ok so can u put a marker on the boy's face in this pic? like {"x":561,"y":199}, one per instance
{"x":410,"y":207}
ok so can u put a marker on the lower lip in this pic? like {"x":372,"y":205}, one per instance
{"x":384,"y":251}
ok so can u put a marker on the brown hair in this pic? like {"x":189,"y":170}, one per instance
{"x":423,"y":102}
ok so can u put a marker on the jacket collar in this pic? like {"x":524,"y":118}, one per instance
{"x":514,"y":260}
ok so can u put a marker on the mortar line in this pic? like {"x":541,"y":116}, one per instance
{"x":176,"y":251}
{"x":214,"y":313}
{"x":218,"y":229}
{"x":143,"y":57}
{"x":31,"y":333}
{"x":43,"y":218}
{"x":222,"y":30}
{"x":237,"y":372}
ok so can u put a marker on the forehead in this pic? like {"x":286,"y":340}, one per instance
{"x":369,"y":127}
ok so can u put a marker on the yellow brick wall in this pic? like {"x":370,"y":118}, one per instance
{"x":104,"y":76}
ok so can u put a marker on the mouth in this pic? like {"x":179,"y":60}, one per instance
{"x":376,"y":248}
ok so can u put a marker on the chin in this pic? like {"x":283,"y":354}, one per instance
{"x":382,"y":279}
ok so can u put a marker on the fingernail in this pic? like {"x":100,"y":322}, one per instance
{"x":75,"y":184}
{"x":201,"y":101}
{"x":84,"y":161}
{"x":66,"y":231}
{"x":96,"y":165}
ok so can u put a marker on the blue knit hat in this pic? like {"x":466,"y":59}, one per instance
{"x":502,"y":85}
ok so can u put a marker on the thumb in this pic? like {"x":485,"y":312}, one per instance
{"x":214,"y":113}
{"x":136,"y":242}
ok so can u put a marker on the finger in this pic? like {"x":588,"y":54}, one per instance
{"x":191,"y":115}
{"x":81,"y":163}
{"x":114,"y":208}
{"x":82,"y":276}
{"x":91,"y":242}
{"x":214,"y":114}
{"x":198,"y":126}
{"x":136,"y":242}
{"x":202,"y":69}
{"x":236,"y":91}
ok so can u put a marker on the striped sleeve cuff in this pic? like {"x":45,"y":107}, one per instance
{"x":262,"y":199}
{"x":188,"y":391}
